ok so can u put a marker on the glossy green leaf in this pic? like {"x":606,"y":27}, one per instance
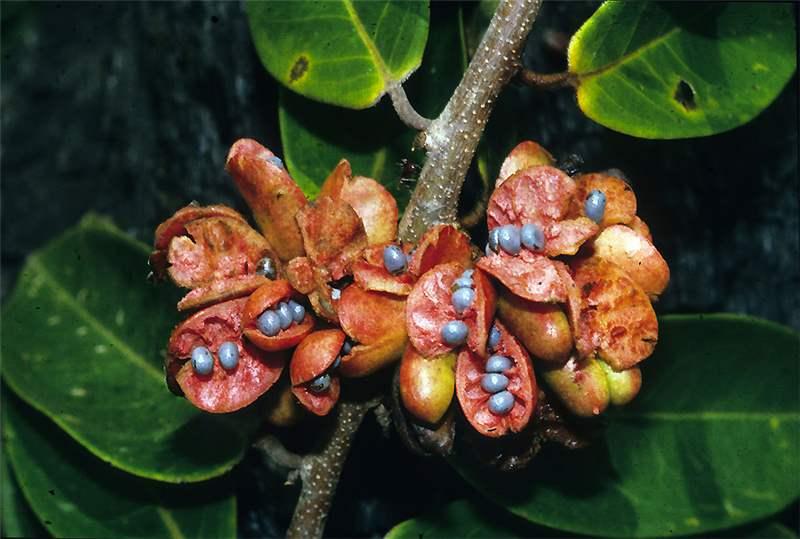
{"x":465,"y":518}
{"x":682,"y":69}
{"x":17,"y":518}
{"x":316,"y":136}
{"x":342,"y":52}
{"x":83,"y":342}
{"x":711,"y":442}
{"x":76,"y":495}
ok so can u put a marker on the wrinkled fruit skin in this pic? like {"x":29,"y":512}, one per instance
{"x":427,"y":384}
{"x":526,"y":154}
{"x":565,"y":285}
{"x":271,"y":194}
{"x":616,"y":322}
{"x":212,"y":251}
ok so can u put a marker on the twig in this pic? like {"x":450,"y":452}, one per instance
{"x":452,"y":138}
{"x":546,"y":81}
{"x":451,"y":141}
{"x":273,"y":449}
{"x":405,"y":110}
{"x":320,"y":472}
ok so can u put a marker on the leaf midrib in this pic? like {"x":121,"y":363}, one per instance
{"x":372,"y":49}
{"x":66,"y":297}
{"x":169,"y":523}
{"x":640,"y":50}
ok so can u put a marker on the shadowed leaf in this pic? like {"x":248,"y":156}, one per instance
{"x":76,"y":495}
{"x":83,"y":342}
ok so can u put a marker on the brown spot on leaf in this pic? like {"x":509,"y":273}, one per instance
{"x":298,"y":69}
{"x":684,"y":94}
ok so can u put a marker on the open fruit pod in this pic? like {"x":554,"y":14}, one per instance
{"x":212,"y":251}
{"x":498,"y":394}
{"x":563,"y":290}
{"x":312,"y":371}
{"x":273,"y":320}
{"x":213,"y":367}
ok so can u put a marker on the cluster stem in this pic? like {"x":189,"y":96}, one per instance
{"x":450,"y":142}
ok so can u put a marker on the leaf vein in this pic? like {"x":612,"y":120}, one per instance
{"x":64,"y":295}
{"x":169,"y":523}
{"x":368,"y":42}
{"x":636,"y":53}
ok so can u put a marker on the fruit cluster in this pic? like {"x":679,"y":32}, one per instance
{"x":567,"y":279}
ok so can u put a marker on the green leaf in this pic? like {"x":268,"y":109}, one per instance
{"x":711,"y":441}
{"x":770,"y":530}
{"x":465,"y":518}
{"x":316,"y":136}
{"x":314,"y":141}
{"x":682,"y":69}
{"x":83,"y":342}
{"x":76,"y":495}
{"x":17,"y":518}
{"x":342,"y":52}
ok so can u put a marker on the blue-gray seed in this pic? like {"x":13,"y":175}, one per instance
{"x":298,"y":311}
{"x":468,"y":273}
{"x":488,"y":250}
{"x":494,"y":239}
{"x":320,"y":383}
{"x":463,"y":282}
{"x":494,"y":338}
{"x":347,"y":347}
{"x":228,"y":355}
{"x":462,"y":299}
{"x":595,"y":206}
{"x":336,"y":362}
{"x":275,"y":160}
{"x":509,"y":239}
{"x":494,"y":382}
{"x":394,"y":259}
{"x":269,"y":323}
{"x":454,"y":333}
{"x":266,"y":267}
{"x":336,"y":294}
{"x":532,"y":236}
{"x":498,"y":364}
{"x":501,"y":403}
{"x":202,"y":360}
{"x":285,"y":314}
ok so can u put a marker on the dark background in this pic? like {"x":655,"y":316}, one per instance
{"x":128,"y":109}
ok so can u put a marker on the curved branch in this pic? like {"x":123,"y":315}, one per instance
{"x":319,"y":472}
{"x":452,"y":138}
{"x":405,"y":110}
{"x":546,"y":81}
